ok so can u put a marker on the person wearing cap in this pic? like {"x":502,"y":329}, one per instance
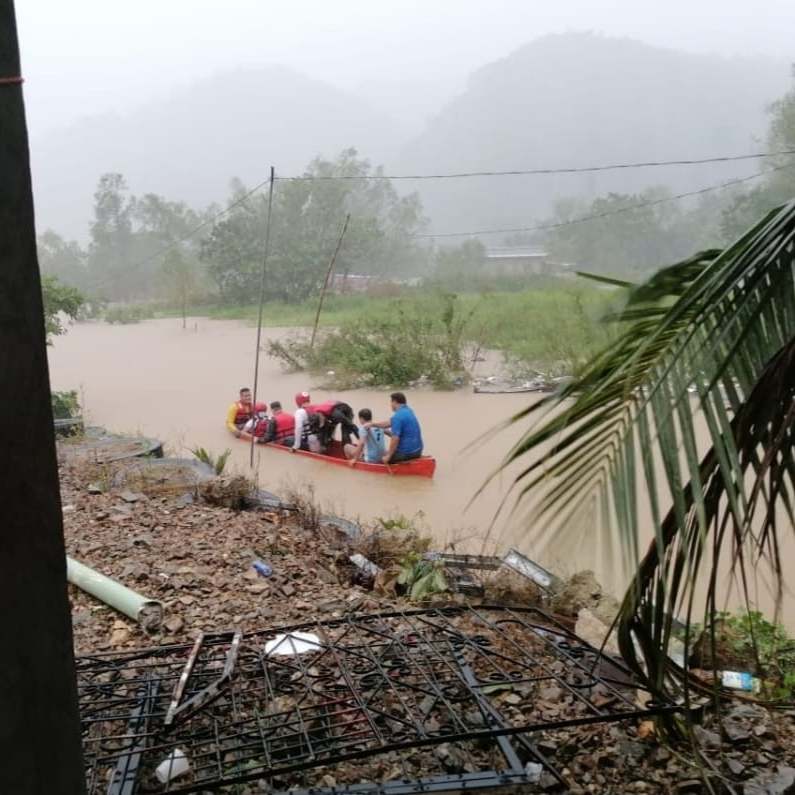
{"x":307,"y":425}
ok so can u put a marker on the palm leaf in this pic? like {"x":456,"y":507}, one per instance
{"x":718,"y":325}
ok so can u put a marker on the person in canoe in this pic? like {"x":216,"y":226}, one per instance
{"x":280,"y":427}
{"x":369,"y":447}
{"x":328,"y":415}
{"x":308,"y":424}
{"x":258,"y":424}
{"x":405,"y":441}
{"x":240,"y":412}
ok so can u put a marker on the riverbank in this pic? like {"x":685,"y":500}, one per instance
{"x":196,"y":558}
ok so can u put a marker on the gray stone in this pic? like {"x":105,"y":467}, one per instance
{"x":780,"y":782}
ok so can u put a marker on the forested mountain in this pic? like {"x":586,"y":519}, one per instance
{"x":581,"y":99}
{"x":189,"y":145}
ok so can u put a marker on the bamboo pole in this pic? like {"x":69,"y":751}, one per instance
{"x":326,"y":281}
{"x":262,"y":302}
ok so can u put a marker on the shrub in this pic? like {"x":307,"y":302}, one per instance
{"x":65,"y":405}
{"x":413,"y":341}
{"x":126,"y":314}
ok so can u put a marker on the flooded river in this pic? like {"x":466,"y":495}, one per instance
{"x":155,"y":378}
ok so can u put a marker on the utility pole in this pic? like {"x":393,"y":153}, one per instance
{"x":39,"y":721}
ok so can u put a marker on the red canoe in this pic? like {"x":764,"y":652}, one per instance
{"x":423,"y":467}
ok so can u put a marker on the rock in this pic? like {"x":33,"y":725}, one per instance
{"x":94,"y":488}
{"x":744,"y":721}
{"x":646,"y":729}
{"x":779,"y":782}
{"x":582,"y":590}
{"x":174,"y":624}
{"x":288,"y":589}
{"x":129,"y":496}
{"x":736,"y":767}
{"x":594,"y":631}
{"x":707,"y":738}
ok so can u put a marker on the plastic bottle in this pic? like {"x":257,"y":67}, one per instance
{"x":739,"y":680}
{"x":262,"y":568}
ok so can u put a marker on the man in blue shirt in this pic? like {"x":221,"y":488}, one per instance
{"x":405,"y":440}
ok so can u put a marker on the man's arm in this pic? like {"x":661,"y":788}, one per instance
{"x":393,"y":443}
{"x":230,"y":420}
{"x":381,"y":424}
{"x":300,"y":417}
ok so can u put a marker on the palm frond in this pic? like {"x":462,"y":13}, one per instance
{"x":700,"y":342}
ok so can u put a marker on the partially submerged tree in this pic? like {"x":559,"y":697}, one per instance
{"x":707,"y":343}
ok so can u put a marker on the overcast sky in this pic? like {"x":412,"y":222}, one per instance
{"x":82,"y":57}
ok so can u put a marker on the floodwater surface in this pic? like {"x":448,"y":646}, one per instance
{"x":158,"y":379}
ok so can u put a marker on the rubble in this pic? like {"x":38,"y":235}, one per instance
{"x":197,"y":560}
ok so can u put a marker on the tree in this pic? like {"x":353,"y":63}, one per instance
{"x":110,"y":256}
{"x":180,"y":277}
{"x":460,"y":262}
{"x":59,"y":299}
{"x":779,"y":184}
{"x":63,"y":259}
{"x":629,"y":235}
{"x":307,"y":214}
{"x":722,"y":323}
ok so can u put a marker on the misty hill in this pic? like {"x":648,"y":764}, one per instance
{"x":583,"y":99}
{"x":190,"y":144}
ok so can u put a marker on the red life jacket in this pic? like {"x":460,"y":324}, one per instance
{"x":323,"y":408}
{"x":244,"y":413}
{"x":284,"y":425}
{"x":261,"y":427}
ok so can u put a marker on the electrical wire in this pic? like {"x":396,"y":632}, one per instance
{"x":608,"y":213}
{"x":540,"y":171}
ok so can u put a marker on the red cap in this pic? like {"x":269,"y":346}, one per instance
{"x":301,"y":398}
{"x":261,"y":407}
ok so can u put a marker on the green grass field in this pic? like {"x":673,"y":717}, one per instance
{"x":554,"y":326}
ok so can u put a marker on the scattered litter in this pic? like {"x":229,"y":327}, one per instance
{"x":528,"y":568}
{"x":737,"y":680}
{"x":533,"y":771}
{"x":292,"y":643}
{"x":174,"y":765}
{"x":262,"y":568}
{"x":365,"y":565}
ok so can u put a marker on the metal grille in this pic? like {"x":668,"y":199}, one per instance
{"x":372,"y":686}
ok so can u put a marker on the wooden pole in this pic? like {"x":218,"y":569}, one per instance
{"x":39,"y":721}
{"x":262,"y":300}
{"x":326,"y":281}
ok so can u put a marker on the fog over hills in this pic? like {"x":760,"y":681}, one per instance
{"x":583,"y":99}
{"x":561,"y":100}
{"x":190,"y":144}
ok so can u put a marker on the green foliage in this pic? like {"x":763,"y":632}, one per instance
{"x":218,"y":463}
{"x":764,"y":645}
{"x":408,"y":342}
{"x":65,"y":405}
{"x":63,"y":259}
{"x":128,"y":313}
{"x":59,"y":299}
{"x":631,"y":242}
{"x":421,"y":578}
{"x":180,"y":276}
{"x":306,"y":220}
{"x":625,"y":433}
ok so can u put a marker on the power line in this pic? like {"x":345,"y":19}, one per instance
{"x":540,"y":171}
{"x":206,"y":222}
{"x":607,"y":213}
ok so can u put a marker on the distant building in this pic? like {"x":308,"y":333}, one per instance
{"x":518,"y":261}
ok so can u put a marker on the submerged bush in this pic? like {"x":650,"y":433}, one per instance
{"x":420,"y":340}
{"x":65,"y":405}
{"x":133,"y":313}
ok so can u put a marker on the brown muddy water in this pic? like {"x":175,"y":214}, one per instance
{"x":155,"y":378}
